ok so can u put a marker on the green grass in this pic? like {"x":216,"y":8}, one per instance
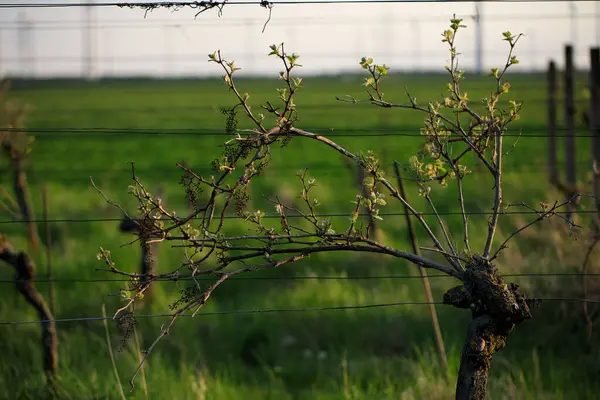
{"x":377,"y":353}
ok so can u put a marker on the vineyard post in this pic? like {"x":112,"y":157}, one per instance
{"x":552,"y":170}
{"x":439,"y":340}
{"x":48,"y":240}
{"x":148,"y":244}
{"x":569,"y":124}
{"x":595,"y":128}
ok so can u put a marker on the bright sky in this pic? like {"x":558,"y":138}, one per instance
{"x":330,"y":38}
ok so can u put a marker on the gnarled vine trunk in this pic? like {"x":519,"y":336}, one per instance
{"x":496,"y":308}
{"x":24,"y":275}
{"x":23,"y":199}
{"x":148,"y":250}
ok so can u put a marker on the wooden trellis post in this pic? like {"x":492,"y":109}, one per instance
{"x":595,"y":128}
{"x":552,"y":170}
{"x":570,"y":171}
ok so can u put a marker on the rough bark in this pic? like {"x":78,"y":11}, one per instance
{"x":25,"y":273}
{"x":24,"y":201}
{"x":148,"y":261}
{"x":496,"y":308}
{"x":21,"y":190}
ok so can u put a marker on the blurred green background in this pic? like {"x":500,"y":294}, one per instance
{"x":378,"y":353}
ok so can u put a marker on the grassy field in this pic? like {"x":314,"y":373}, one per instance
{"x":379,"y":353}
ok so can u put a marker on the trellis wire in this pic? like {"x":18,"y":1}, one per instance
{"x":274,"y":310}
{"x":203,"y":4}
{"x":300,"y":278}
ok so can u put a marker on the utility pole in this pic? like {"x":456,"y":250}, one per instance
{"x":478,"y":38}
{"x":25,"y":46}
{"x":87,"y":34}
{"x":387,"y":31}
{"x":597,"y":23}
{"x":573,"y":22}
{"x":167,"y":50}
{"x":532,"y":48}
{"x":250,"y":41}
{"x":1,"y":71}
{"x":415,"y":28}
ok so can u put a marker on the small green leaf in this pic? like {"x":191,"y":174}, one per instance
{"x":448,"y":34}
{"x":508,"y":36}
{"x":369,"y":182}
{"x":274,"y":50}
{"x":292,"y":58}
{"x":366,"y":62}
{"x":381,"y":69}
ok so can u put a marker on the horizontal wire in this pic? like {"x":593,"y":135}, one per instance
{"x":333,"y":132}
{"x":313,"y":167}
{"x":537,"y":165}
{"x":131,"y":22}
{"x":196,"y":58}
{"x":164,"y":23}
{"x":274,"y":310}
{"x":200,"y":5}
{"x":324,"y":215}
{"x":122,"y":175}
{"x":316,"y":169}
{"x":258,"y":311}
{"x":293,"y":278}
{"x":534,"y":167}
{"x":319,"y":106}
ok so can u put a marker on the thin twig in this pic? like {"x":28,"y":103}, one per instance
{"x":588,"y":319}
{"x":139,"y":354}
{"x":393,"y":191}
{"x":109,"y":201}
{"x":541,"y":215}
{"x":163,"y":333}
{"x":424,"y":278}
{"x":444,"y":253}
{"x":111,"y":354}
{"x":493,"y":224}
